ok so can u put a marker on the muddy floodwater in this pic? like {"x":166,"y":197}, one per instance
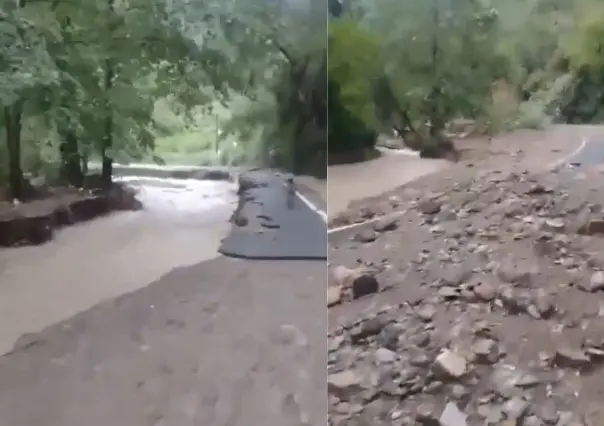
{"x":349,"y":182}
{"x":182,"y":224}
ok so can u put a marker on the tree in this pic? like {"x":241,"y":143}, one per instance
{"x":88,"y":75}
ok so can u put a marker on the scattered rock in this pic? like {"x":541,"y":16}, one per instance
{"x":334,"y":295}
{"x":592,"y":227}
{"x":554,"y":225}
{"x":485,"y":351}
{"x":429,"y":207}
{"x":485,"y":291}
{"x":595,"y":282}
{"x":453,"y":416}
{"x":570,"y":357}
{"x":364,"y":284}
{"x":344,"y":384}
{"x":386,"y":224}
{"x":450,"y":365}
{"x":360,"y":281}
{"x":365,"y":236}
{"x":494,"y":272}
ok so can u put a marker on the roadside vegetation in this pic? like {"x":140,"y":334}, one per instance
{"x":196,"y":82}
{"x":430,"y":71}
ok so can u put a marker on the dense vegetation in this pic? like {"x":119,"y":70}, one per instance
{"x":422,"y":68}
{"x":123,"y":80}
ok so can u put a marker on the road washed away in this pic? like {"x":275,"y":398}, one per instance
{"x":182,"y":223}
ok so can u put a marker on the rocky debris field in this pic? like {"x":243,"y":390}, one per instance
{"x":481,"y":304}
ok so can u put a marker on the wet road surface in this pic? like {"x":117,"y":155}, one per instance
{"x":279,"y":225}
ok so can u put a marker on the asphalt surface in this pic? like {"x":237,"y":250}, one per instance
{"x":591,"y":155}
{"x":278,"y":226}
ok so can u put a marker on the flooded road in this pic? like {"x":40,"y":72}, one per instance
{"x":182,"y":224}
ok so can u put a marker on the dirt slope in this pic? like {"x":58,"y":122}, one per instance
{"x":490,"y":304}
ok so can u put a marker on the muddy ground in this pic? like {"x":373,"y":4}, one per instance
{"x":224,"y":342}
{"x":479,"y":301}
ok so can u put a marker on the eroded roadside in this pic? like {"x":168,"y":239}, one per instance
{"x":486,"y":304}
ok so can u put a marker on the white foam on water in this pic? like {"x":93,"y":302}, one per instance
{"x":182,"y":196}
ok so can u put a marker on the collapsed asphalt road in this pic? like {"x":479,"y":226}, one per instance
{"x":270,"y":224}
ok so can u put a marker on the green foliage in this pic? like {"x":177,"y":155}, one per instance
{"x":504,"y":63}
{"x":354,"y":63}
{"x":127,"y":80}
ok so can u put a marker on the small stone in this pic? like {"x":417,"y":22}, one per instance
{"x":453,"y":416}
{"x":570,"y":358}
{"x":486,"y":351}
{"x":459,"y":392}
{"x":515,"y":408}
{"x":532,"y":421}
{"x":368,"y":328}
{"x":547,"y":412}
{"x":365,"y":236}
{"x":389,"y":336}
{"x":449,"y":293}
{"x":554,"y":225}
{"x":543,"y":304}
{"x":429,"y":207}
{"x":334,"y":295}
{"x":527,"y":381}
{"x":420,"y":360}
{"x":426,"y":312}
{"x":363,"y":285}
{"x":384,"y":356}
{"x":592,"y":227}
{"x":344,"y":384}
{"x":509,"y":272}
{"x":385,"y":225}
{"x":437,"y":229}
{"x":454,"y":276}
{"x":596,"y":282}
{"x":426,"y":415}
{"x":485,"y":292}
{"x":450,"y":365}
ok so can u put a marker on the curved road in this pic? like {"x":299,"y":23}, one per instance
{"x":221,"y":342}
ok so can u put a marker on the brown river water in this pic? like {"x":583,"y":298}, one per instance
{"x":182,"y":224}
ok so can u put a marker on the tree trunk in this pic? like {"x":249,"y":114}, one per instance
{"x":12,"y":119}
{"x":107,"y":170}
{"x":435,"y":98}
{"x":70,"y":159}
{"x":107,"y":162}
